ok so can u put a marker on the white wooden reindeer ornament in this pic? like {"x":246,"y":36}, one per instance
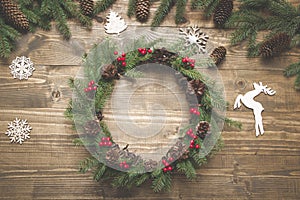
{"x":248,"y":100}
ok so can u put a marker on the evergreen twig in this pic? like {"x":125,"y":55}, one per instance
{"x":162,"y":11}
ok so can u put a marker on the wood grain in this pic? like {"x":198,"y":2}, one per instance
{"x":46,"y":166}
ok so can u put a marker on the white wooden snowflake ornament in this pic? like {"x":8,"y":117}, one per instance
{"x":115,"y":24}
{"x":18,"y":131}
{"x":21,"y":68}
{"x":194,"y":36}
{"x":248,"y":100}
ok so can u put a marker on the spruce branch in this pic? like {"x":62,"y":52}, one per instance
{"x":294,"y":70}
{"x":8,"y":37}
{"x":102,"y":5}
{"x":187,"y":168}
{"x":162,"y":181}
{"x":162,"y":11}
{"x":131,"y":8}
{"x":180,"y":11}
{"x":99,"y":172}
{"x":233,"y":123}
{"x":88,"y":164}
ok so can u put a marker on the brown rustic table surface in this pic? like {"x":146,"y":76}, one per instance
{"x":46,"y":166}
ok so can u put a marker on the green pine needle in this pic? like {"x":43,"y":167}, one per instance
{"x":162,"y":182}
{"x":233,"y":123}
{"x":187,"y":168}
{"x":99,"y":172}
{"x":131,"y":8}
{"x":162,"y":11}
{"x":292,"y":69}
{"x":180,"y":11}
{"x":88,"y":164}
{"x":102,"y":5}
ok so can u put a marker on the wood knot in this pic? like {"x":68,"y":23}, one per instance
{"x":55,"y":95}
{"x":241,"y":84}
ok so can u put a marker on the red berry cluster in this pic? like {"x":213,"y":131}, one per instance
{"x":191,"y":134}
{"x":121,"y":59}
{"x":167,"y":166}
{"x":188,"y":62}
{"x":91,"y":86}
{"x":105,"y":142}
{"x":144,"y":51}
{"x":194,"y":111}
{"x":193,"y":145}
{"x":124,"y":165}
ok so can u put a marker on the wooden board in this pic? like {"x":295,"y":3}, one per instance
{"x":46,"y":166}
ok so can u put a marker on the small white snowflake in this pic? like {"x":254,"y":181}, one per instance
{"x":21,"y":68}
{"x":18,"y":131}
{"x":194,"y":36}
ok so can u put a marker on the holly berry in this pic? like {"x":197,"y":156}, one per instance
{"x":86,"y":89}
{"x":192,"y":142}
{"x":191,"y":146}
{"x":192,"y":65}
{"x":116,"y":53}
{"x":123,"y":54}
{"x":197,"y":146}
{"x":95,"y":88}
{"x":122,"y":58}
{"x":149,"y":50}
{"x":119,"y":59}
{"x":170,"y":168}
{"x":100,"y":144}
{"x":184,"y":60}
{"x":124,"y":64}
{"x":171,"y":159}
{"x":165,"y":169}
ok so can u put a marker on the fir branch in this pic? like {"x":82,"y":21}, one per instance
{"x":131,"y":8}
{"x":88,"y":164}
{"x":162,"y":181}
{"x":233,"y":123}
{"x":197,"y":4}
{"x":209,"y":6}
{"x":100,"y":171}
{"x":102,"y":5}
{"x":144,"y":177}
{"x":8,"y":37}
{"x":162,"y":11}
{"x":180,"y":11}
{"x":292,"y":69}
{"x":199,"y":160}
{"x":187,"y":168}
{"x":78,"y":142}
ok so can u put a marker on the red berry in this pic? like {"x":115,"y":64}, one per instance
{"x":103,"y":139}
{"x":197,"y":113}
{"x":86,"y":89}
{"x":116,"y":53}
{"x":184,"y":60}
{"x":92,"y":82}
{"x":119,"y":59}
{"x":126,"y":166}
{"x":143,"y":52}
{"x":123,"y":58}
{"x":90,"y":88}
{"x":139,"y":49}
{"x":192,"y":110}
{"x":194,"y":136}
{"x":121,"y":165}
{"x":192,"y":65}
{"x":170,"y":168}
{"x":123,"y":54}
{"x":192,"y":142}
{"x":124,"y":64}
{"x":108,"y":138}
{"x":171,"y":159}
{"x":149,"y":50}
{"x":95,"y":88}
{"x":100,"y":144}
{"x":165,"y":169}
{"x":109,"y":143}
{"x":191,"y":146}
{"x":197,"y":146}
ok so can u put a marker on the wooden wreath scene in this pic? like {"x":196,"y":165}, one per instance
{"x":140,"y":99}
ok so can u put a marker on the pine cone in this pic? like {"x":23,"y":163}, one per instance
{"x":218,"y":54}
{"x":112,"y":156}
{"x":150,"y":165}
{"x":13,"y":15}
{"x":86,"y":7}
{"x":275,"y":45}
{"x":202,"y":129}
{"x":99,"y":115}
{"x":196,"y":87}
{"x":92,"y":127}
{"x":142,"y":10}
{"x":223,"y":12}
{"x":177,"y":150}
{"x":110,"y":72}
{"x":163,"y":56}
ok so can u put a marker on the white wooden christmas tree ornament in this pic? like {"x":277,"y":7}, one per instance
{"x":248,"y":100}
{"x":115,"y":23}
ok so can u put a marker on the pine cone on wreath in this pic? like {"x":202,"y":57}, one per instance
{"x":13,"y":15}
{"x":218,"y":54}
{"x":110,"y":72}
{"x":112,"y":156}
{"x":196,"y":87}
{"x":202,"y":129}
{"x":163,"y":56}
{"x":86,"y":7}
{"x":275,"y":45}
{"x":92,"y":127}
{"x":222,"y":12}
{"x":150,"y":165}
{"x":142,"y":10}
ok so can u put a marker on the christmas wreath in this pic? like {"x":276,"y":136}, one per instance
{"x":197,"y":139}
